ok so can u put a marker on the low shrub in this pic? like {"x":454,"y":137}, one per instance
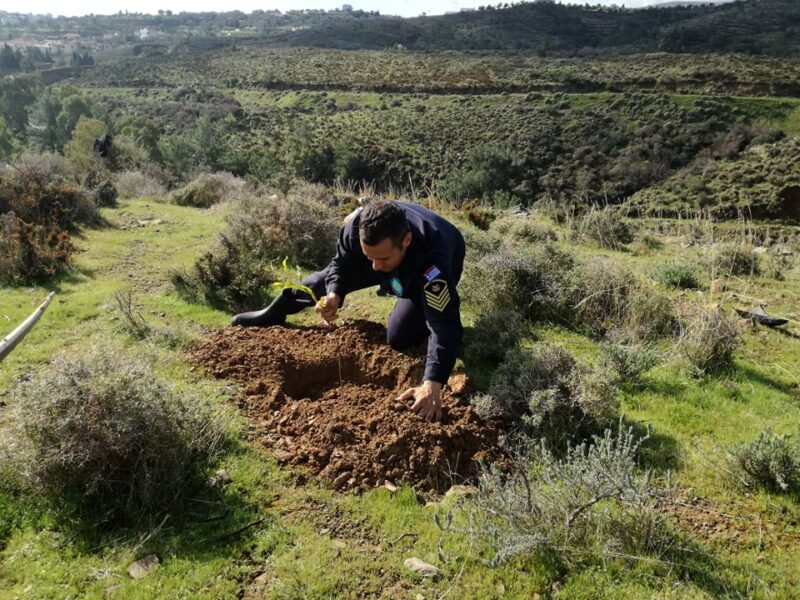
{"x":778,"y":262}
{"x":629,"y":361}
{"x":770,"y":460}
{"x":676,"y":276}
{"x":588,"y":506}
{"x":101,"y":188}
{"x":523,"y":229}
{"x":102,"y":432}
{"x":709,"y":341}
{"x":31,"y":253}
{"x":52,"y":205}
{"x":545,"y":284}
{"x":137,"y":184}
{"x":549,"y":396}
{"x":605,"y":226}
{"x":261,"y":232}
{"x":492,"y":334}
{"x":649,"y":241}
{"x":43,"y":170}
{"x":733,"y":259}
{"x":602,"y":288}
{"x":207,"y":190}
{"x":532,"y":281}
{"x":610,"y":300}
{"x":648,"y":315}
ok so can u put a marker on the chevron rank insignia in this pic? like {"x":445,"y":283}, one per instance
{"x":437,"y":295}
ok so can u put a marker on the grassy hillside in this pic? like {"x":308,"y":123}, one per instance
{"x":259,"y":67}
{"x":274,"y":533}
{"x":762,"y":181}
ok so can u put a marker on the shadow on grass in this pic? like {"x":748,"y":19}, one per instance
{"x":213,"y":521}
{"x":659,"y":451}
{"x":787,"y":333}
{"x":695,"y":563}
{"x":672,"y":389}
{"x":753,"y":375}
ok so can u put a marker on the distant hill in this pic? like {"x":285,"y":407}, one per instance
{"x":760,"y":27}
{"x":673,"y":4}
{"x":752,"y":26}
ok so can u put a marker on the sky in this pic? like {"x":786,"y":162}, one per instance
{"x":407,"y":8}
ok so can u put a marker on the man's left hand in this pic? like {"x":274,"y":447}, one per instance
{"x":426,"y":400}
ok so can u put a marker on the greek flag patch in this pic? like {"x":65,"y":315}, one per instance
{"x":432,"y":273}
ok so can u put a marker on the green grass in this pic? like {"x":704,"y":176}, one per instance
{"x":310,"y":542}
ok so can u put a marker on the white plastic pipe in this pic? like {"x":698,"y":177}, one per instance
{"x":15,"y":337}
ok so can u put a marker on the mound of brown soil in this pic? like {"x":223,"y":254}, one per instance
{"x":325,"y":397}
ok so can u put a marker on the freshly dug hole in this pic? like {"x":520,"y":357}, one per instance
{"x":325,"y":398}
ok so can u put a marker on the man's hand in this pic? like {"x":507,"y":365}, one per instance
{"x":328,"y":307}
{"x":426,"y":400}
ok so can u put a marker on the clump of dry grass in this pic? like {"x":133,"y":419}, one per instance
{"x":709,"y":340}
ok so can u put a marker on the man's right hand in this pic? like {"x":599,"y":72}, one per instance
{"x":328,"y":307}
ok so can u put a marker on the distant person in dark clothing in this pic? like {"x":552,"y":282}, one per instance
{"x":411,"y":253}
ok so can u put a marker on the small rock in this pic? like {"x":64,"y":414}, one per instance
{"x":461,"y":490}
{"x":282,"y":456}
{"x":420,"y":597}
{"x":421,"y":567}
{"x":143,"y":566}
{"x":390,"y":486}
{"x":109,"y":591}
{"x":219,"y":478}
{"x":339,"y":544}
{"x":263,"y":579}
{"x":458,"y":384}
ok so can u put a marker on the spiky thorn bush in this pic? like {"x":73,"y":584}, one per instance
{"x":770,"y":460}
{"x":591,"y":504}
{"x":100,"y":430}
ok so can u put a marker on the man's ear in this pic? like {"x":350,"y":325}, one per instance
{"x":407,"y":240}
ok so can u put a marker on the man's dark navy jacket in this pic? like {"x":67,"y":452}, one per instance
{"x":427,"y":276}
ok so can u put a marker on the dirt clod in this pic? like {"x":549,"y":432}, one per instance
{"x":326,"y":398}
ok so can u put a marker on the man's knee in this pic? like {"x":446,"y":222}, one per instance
{"x":395,"y":340}
{"x":399,"y":340}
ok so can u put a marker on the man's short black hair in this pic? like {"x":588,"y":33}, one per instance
{"x":381,"y":220}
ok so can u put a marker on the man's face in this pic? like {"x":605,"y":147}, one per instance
{"x":385,"y":255}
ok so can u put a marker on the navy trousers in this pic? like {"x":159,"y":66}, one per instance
{"x":407,"y":326}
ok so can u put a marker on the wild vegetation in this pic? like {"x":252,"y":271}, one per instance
{"x":616,"y":206}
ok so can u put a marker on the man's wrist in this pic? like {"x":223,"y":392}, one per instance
{"x":432,"y":385}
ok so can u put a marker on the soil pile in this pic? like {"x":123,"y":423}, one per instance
{"x":325,"y":398}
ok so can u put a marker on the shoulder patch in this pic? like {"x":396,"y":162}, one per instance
{"x":432,"y":273}
{"x":437,"y":294}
